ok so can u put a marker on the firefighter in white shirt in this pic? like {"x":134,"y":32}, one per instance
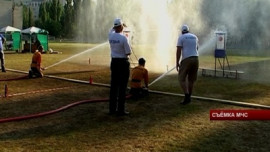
{"x":187,"y":50}
{"x":120,"y":51}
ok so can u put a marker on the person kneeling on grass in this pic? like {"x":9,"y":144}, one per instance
{"x":139,"y":74}
{"x":36,"y":69}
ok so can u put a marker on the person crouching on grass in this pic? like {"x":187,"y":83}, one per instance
{"x":36,"y":69}
{"x":139,"y":74}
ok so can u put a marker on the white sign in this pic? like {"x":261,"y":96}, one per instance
{"x":220,"y":42}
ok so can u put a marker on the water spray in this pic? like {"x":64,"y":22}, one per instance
{"x":160,"y":77}
{"x":88,"y":50}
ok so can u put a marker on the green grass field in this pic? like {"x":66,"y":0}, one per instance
{"x":156,"y":123}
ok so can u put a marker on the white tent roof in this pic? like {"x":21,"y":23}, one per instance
{"x":33,"y":29}
{"x":9,"y":29}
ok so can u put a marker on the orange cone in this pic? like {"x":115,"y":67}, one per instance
{"x":6,"y":91}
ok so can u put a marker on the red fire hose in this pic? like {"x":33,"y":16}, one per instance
{"x":17,"y":78}
{"x":54,"y":111}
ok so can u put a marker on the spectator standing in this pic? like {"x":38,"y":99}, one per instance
{"x":2,"y":56}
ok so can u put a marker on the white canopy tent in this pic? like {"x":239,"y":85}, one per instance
{"x":9,"y":29}
{"x":38,"y":34}
{"x":32,"y":30}
{"x":13,"y":37}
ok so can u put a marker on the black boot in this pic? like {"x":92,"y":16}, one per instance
{"x":3,"y":69}
{"x":122,"y":113}
{"x":186,"y":100}
{"x":30,"y":74}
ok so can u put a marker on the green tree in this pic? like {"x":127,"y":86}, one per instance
{"x":55,"y":10}
{"x":28,"y":18}
{"x":25,"y":17}
{"x":67,"y":20}
{"x":43,"y":14}
{"x":77,"y":14}
{"x":49,"y":17}
{"x":59,"y":10}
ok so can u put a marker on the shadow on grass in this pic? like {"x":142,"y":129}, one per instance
{"x":156,"y":119}
{"x":227,"y":136}
{"x":255,"y":71}
{"x":145,"y":114}
{"x":220,"y":88}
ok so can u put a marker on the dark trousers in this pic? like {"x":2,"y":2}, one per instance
{"x":2,"y":58}
{"x":119,"y":80}
{"x":35,"y":72}
{"x":138,"y":92}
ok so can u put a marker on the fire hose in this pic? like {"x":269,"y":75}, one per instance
{"x":36,"y":115}
{"x":17,"y":78}
{"x":30,"y":92}
{"x":104,"y":100}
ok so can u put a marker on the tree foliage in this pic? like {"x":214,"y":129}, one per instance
{"x":67,"y":20}
{"x":50,"y":14}
{"x":28,"y":19}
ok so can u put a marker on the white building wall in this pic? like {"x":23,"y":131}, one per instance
{"x":7,"y":18}
{"x":35,"y":7}
{"x":5,"y":13}
{"x":18,"y":17}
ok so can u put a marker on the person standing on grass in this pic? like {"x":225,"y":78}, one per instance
{"x":187,"y":50}
{"x":120,"y":51}
{"x":36,"y":69}
{"x":2,"y":57}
